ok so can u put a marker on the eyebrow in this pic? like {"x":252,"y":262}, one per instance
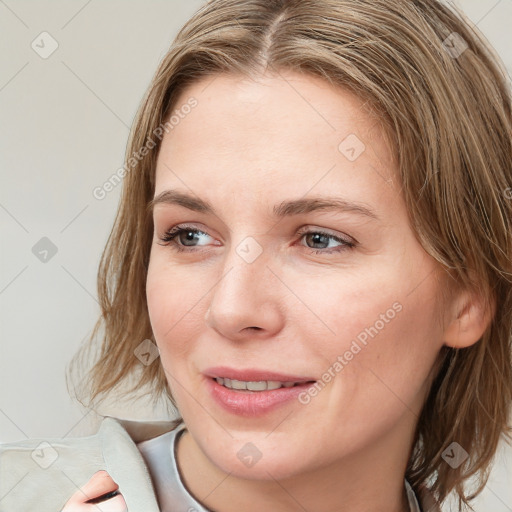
{"x":283,"y":209}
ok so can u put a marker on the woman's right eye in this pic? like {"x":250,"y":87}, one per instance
{"x":174,"y":235}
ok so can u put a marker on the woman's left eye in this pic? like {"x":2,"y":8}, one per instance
{"x":321,"y":237}
{"x":174,"y":235}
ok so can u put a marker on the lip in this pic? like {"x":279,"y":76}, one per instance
{"x":253,"y":403}
{"x":253,"y":375}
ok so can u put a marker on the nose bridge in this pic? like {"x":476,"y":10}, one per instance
{"x":245,"y":295}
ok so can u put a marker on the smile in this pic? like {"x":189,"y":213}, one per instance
{"x":264,"y":385}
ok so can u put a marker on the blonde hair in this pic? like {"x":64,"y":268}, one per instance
{"x":442,"y":94}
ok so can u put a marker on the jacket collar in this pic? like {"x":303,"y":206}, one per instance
{"x":142,"y":430}
{"x":124,"y":461}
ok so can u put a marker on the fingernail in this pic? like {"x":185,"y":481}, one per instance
{"x":115,"y":504}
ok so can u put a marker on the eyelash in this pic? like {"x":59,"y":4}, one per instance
{"x":169,"y":240}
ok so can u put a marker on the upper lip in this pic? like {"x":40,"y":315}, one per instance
{"x":253,"y":375}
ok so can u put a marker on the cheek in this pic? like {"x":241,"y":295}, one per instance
{"x":347,"y":305}
{"x":390,"y":373}
{"x":170,"y":306}
{"x":378,"y":330}
{"x":172,"y":302}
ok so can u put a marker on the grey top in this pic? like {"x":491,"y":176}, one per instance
{"x":159,"y":454}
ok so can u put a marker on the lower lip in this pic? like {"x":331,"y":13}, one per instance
{"x":253,"y":403}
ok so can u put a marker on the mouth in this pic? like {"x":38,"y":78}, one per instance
{"x":254,"y":393}
{"x":255,"y":386}
{"x":254,"y":396}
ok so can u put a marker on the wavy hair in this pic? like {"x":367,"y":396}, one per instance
{"x":443,"y":95}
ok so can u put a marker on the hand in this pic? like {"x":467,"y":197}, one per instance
{"x":99,"y":486}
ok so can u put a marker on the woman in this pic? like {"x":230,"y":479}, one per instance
{"x":315,"y":232}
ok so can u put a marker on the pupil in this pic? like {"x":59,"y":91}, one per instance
{"x":189,"y":236}
{"x":317,"y":238}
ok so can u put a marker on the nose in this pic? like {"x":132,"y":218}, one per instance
{"x":246,"y":302}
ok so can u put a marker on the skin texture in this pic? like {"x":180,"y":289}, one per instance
{"x":247,"y":146}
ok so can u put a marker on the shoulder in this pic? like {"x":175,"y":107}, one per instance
{"x":41,"y":474}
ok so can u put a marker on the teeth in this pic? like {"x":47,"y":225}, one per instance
{"x":263,"y":385}
{"x":235,"y":384}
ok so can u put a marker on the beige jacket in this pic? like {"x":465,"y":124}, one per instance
{"x":41,"y":475}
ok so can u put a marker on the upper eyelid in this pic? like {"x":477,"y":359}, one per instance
{"x":197,"y":227}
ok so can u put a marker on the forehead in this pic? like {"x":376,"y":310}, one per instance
{"x":280,"y":134}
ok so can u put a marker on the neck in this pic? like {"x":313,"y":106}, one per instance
{"x":363,"y":481}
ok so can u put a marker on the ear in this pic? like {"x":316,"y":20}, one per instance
{"x":470,"y":318}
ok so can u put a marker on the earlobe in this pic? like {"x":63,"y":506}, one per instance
{"x":471,"y":318}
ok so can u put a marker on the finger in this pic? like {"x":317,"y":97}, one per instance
{"x":115,"y":504}
{"x":100,"y":483}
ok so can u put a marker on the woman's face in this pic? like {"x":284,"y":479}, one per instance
{"x":270,"y":284}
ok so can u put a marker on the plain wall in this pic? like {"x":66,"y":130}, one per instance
{"x":63,"y":131}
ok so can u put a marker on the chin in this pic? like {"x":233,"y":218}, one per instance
{"x":257,"y":460}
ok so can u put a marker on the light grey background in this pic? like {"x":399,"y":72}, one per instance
{"x":63,"y":131}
